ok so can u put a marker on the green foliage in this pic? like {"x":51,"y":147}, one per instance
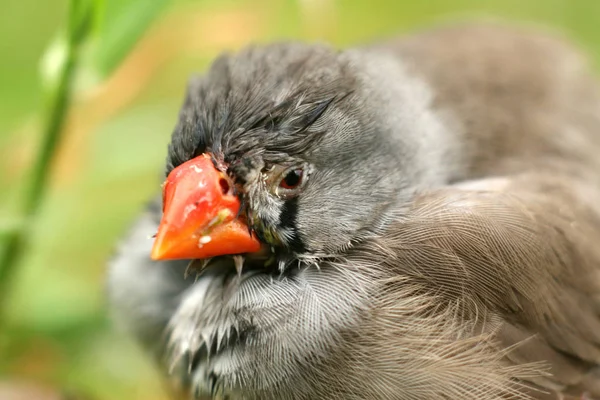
{"x":119,"y":25}
{"x":59,"y":93}
{"x":113,"y":31}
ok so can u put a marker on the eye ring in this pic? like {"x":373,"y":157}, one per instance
{"x":291,"y":182}
{"x":292,"y":179}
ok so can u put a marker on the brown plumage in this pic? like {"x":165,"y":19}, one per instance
{"x":480,"y":280}
{"x":522,"y":241}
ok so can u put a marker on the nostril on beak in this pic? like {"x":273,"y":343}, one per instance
{"x":225,"y":187}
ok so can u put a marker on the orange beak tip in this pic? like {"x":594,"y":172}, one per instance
{"x":162,"y":248}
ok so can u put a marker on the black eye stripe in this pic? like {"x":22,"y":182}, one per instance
{"x":287,"y":220}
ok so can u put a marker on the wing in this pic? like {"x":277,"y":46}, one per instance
{"x":526,"y":249}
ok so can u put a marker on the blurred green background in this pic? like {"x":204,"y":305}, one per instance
{"x":56,"y":332}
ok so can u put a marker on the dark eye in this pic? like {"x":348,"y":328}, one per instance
{"x":292,"y":179}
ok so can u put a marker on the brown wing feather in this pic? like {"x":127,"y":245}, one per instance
{"x":526,"y":246}
{"x":528,"y":251}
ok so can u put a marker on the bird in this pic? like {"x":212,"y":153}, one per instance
{"x":417,"y":217}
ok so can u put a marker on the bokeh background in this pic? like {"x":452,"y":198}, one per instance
{"x":55,"y":332}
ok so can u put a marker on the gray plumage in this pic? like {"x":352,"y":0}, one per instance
{"x":445,"y":245}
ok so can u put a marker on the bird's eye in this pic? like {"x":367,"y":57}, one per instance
{"x":293,"y":179}
{"x":286,"y":182}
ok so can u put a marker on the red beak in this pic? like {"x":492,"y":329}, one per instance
{"x":200,"y":215}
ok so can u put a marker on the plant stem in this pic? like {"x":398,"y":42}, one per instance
{"x":15,"y":241}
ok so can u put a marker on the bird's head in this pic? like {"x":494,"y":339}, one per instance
{"x":289,"y":155}
{"x":291,"y":148}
